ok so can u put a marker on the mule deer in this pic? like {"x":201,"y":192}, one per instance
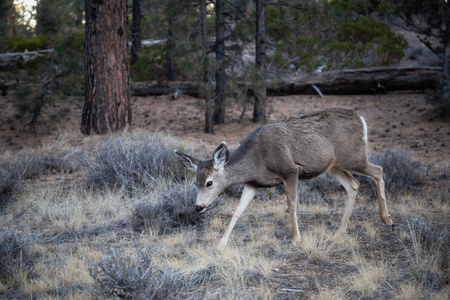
{"x":332,"y":141}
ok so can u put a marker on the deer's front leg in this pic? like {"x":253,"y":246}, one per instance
{"x":247,"y":195}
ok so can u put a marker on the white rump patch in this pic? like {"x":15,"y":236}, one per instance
{"x":365,"y":128}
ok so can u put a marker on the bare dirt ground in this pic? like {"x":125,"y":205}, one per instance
{"x":403,"y":120}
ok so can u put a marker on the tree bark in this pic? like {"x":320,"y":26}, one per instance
{"x":107,"y":66}
{"x":259,"y":109}
{"x":219,"y":103}
{"x":209,"y":125}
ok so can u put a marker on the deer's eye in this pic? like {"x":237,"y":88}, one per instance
{"x":209,"y":184}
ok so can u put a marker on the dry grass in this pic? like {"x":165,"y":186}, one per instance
{"x":368,"y":280}
{"x":72,"y":238}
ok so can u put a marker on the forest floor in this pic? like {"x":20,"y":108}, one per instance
{"x":371,"y":262}
{"x":396,"y":119}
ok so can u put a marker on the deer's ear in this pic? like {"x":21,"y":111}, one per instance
{"x":221,"y":155}
{"x":188,"y":161}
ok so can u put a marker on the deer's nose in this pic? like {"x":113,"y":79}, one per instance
{"x":199,"y":208}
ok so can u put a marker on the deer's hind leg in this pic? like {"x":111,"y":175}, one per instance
{"x":376,"y":173}
{"x":351,"y":186}
{"x":290,"y":184}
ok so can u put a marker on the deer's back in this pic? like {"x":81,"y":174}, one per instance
{"x":315,"y":140}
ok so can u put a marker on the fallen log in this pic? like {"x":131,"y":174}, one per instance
{"x":24,"y":55}
{"x":154,"y":88}
{"x":359,"y":81}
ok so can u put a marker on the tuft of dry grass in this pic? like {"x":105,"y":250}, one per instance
{"x":408,"y":291}
{"x":368,"y":280}
{"x":329,"y":294}
{"x":316,"y":243}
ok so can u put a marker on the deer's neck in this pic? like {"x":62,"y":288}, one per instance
{"x":239,"y":168}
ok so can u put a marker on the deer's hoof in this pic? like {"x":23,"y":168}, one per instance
{"x":387,"y":220}
{"x":295,"y":241}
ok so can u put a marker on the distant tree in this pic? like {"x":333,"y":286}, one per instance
{"x":259,"y":111}
{"x":170,"y":49}
{"x":6,"y":17}
{"x":107,"y":68}
{"x":431,"y":21}
{"x":219,"y":102}
{"x":58,"y":16}
{"x":209,"y":125}
{"x":136,"y":35}
{"x":47,"y":21}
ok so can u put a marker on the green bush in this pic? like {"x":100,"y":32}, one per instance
{"x":373,"y":34}
{"x":65,"y":66}
{"x":150,"y":65}
{"x":20,"y":44}
{"x":326,"y":36}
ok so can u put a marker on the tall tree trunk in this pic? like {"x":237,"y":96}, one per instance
{"x":136,"y":36}
{"x":6,"y":17}
{"x":209,"y":125}
{"x":259,"y":110}
{"x":219,"y":103}
{"x":170,"y":47}
{"x":10,"y":18}
{"x":107,"y":66}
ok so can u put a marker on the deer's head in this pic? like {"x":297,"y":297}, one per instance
{"x":210,"y":175}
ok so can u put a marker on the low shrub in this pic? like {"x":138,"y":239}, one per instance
{"x":174,"y":208}
{"x":130,"y":162}
{"x":401,"y":171}
{"x":10,"y":183}
{"x":31,"y":165}
{"x":15,"y":255}
{"x":132,"y":274}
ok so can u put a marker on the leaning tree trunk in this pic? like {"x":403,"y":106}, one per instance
{"x":107,"y":68}
{"x":219,"y":103}
{"x":259,"y":110}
